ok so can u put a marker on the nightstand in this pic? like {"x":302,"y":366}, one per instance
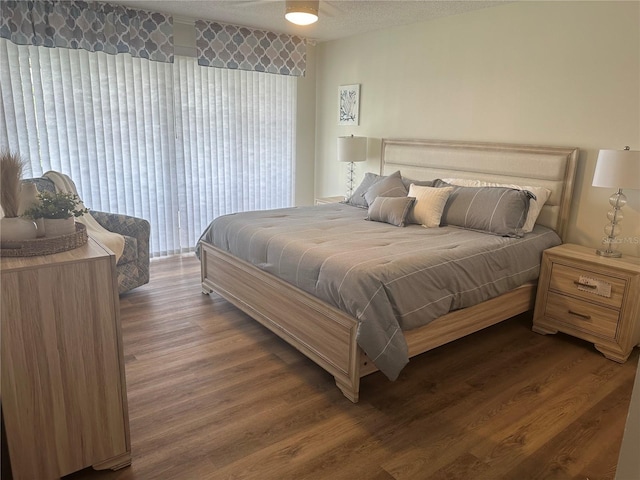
{"x":590,"y":297}
{"x":323,"y":200}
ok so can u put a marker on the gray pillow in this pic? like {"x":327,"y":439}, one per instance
{"x":357,"y":199}
{"x":420,"y":183}
{"x":393,"y":210}
{"x":498,"y":210}
{"x":390,"y":186}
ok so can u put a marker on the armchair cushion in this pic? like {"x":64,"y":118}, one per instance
{"x":130,"y":252}
{"x":133,"y":265}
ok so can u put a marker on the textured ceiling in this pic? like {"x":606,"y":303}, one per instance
{"x":338,"y":18}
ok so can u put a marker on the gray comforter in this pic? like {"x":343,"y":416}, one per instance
{"x":389,"y":278}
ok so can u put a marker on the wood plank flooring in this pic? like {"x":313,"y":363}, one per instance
{"x":213,"y":395}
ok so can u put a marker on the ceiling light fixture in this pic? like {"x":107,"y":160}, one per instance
{"x":301,"y":12}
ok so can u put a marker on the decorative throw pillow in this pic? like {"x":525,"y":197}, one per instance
{"x":429,"y":204}
{"x":541,"y":195}
{"x":393,"y":210}
{"x":390,"y":186}
{"x":422,"y":183}
{"x":357,"y":199}
{"x":497,"y":210}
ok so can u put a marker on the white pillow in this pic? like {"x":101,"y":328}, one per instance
{"x":535,"y":205}
{"x":429,"y":204}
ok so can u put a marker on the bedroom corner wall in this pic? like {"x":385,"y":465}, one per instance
{"x":305,"y":133}
{"x":549,"y":73}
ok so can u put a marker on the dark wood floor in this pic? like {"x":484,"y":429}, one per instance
{"x":213,"y":395}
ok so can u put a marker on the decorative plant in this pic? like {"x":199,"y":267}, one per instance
{"x":56,"y":205}
{"x":10,"y":173}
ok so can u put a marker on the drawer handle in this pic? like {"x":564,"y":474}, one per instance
{"x":581,"y":315}
{"x":581,"y":284}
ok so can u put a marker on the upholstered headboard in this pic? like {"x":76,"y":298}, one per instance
{"x":550,"y":167}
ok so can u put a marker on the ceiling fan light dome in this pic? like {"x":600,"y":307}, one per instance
{"x":301,"y":12}
{"x":301,"y":18}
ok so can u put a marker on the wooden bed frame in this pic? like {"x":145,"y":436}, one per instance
{"x":327,"y":335}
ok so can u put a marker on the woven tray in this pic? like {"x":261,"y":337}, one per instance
{"x":47,"y":246}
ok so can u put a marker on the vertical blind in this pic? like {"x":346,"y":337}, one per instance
{"x":236,"y":133}
{"x":177,"y":144}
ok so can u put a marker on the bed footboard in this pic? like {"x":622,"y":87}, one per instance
{"x":321,"y":332}
{"x":327,"y":335}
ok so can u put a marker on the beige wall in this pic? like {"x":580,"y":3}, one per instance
{"x":305,"y":133}
{"x":549,"y":73}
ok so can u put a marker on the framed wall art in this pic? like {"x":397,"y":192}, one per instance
{"x":349,"y":107}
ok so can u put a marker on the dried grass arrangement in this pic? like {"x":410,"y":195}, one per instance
{"x":10,"y":175}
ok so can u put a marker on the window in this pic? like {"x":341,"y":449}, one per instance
{"x":177,"y":144}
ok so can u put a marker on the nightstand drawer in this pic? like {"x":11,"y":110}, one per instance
{"x":594,"y":319}
{"x":564,"y":279}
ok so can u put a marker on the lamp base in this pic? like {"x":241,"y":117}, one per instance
{"x":609,"y":253}
{"x":617,"y":201}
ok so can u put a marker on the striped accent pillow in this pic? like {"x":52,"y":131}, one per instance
{"x":540,"y":196}
{"x":497,"y":210}
{"x":430,"y":202}
{"x":393,"y":210}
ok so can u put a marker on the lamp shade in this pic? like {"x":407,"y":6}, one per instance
{"x":301,"y":12}
{"x":352,"y":149}
{"x":617,"y":169}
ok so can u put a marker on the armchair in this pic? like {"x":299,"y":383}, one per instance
{"x":133,"y":266}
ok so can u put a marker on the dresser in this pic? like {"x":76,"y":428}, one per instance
{"x":63,"y":391}
{"x":591,"y":297}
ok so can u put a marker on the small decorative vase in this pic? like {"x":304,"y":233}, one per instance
{"x":28,"y":199}
{"x":14,"y":230}
{"x":56,"y":227}
{"x":40,"y":225}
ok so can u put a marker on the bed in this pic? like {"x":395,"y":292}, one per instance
{"x":330,"y":333}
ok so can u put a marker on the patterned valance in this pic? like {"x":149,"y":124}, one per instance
{"x":243,"y":48}
{"x":92,"y":26}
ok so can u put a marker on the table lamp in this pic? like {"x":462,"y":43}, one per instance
{"x":351,"y":149}
{"x":616,"y":169}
